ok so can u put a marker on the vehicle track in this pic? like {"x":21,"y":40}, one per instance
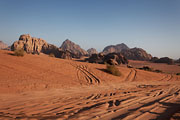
{"x":84,"y":71}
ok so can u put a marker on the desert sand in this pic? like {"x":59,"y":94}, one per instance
{"x":46,"y":88}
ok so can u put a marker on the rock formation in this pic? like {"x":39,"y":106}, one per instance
{"x":73,"y":48}
{"x":3,"y":45}
{"x":136,"y":54}
{"x":37,"y":45}
{"x":165,"y":60}
{"x":111,"y":58}
{"x":29,"y":44}
{"x":153,"y":59}
{"x":96,"y":58}
{"x":115,"y":59}
{"x":92,"y":51}
{"x":115,"y":48}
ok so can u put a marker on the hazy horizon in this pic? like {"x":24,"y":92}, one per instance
{"x":152,"y":25}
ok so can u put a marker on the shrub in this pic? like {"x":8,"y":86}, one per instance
{"x":178,"y":74}
{"x":19,"y":52}
{"x":146,"y":68}
{"x":158,"y":71}
{"x":51,"y":55}
{"x":113,"y":70}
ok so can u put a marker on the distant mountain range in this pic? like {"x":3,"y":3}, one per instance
{"x":69,"y":49}
{"x":129,"y":53}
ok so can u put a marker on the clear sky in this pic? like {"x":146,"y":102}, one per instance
{"x":153,"y":25}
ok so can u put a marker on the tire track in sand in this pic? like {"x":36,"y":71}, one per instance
{"x":90,"y":77}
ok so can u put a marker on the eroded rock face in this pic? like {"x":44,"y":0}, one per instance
{"x":136,"y":54}
{"x":165,"y":60}
{"x":115,"y":59}
{"x":96,"y":58}
{"x":29,"y":44}
{"x":3,"y":45}
{"x":111,"y":58}
{"x":115,"y":48}
{"x":73,"y":48}
{"x":92,"y":51}
{"x":37,"y":45}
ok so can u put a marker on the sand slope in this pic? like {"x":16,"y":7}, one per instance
{"x":41,"y":87}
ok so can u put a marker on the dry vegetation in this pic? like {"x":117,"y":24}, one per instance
{"x":113,"y":70}
{"x":19,"y":52}
{"x":51,"y":55}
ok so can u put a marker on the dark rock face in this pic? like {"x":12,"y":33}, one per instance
{"x":153,"y":59}
{"x":115,"y":48}
{"x":165,"y":60}
{"x":136,"y":54}
{"x":96,"y":58}
{"x":115,"y":59}
{"x":48,"y":49}
{"x":37,"y":45}
{"x":73,"y":48}
{"x":3,"y":45}
{"x":111,"y":58}
{"x":92,"y":51}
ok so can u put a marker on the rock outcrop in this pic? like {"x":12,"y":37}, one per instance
{"x":165,"y":60}
{"x":96,"y":58}
{"x":73,"y":48}
{"x":37,"y":45}
{"x":92,"y":51}
{"x":115,"y":48}
{"x":115,"y":59}
{"x":153,"y":59}
{"x":136,"y":54}
{"x":3,"y":45}
{"x":29,"y":44}
{"x":111,"y":58}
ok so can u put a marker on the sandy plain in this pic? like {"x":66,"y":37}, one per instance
{"x":40,"y":87}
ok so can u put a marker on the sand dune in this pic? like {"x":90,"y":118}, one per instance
{"x":42,"y":87}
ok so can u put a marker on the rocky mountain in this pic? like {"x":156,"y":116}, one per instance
{"x":3,"y":45}
{"x":73,"y":48}
{"x":92,"y":51}
{"x":136,"y":54}
{"x":37,"y":45}
{"x":115,"y":48}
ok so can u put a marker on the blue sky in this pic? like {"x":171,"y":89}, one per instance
{"x":153,"y":25}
